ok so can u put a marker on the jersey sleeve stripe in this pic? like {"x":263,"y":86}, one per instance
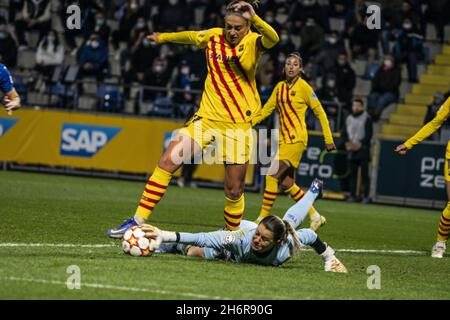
{"x":216,"y":87}
{"x":222,"y":78}
{"x":282,"y":122}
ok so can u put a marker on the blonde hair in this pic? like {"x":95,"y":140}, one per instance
{"x":230,"y":10}
{"x":281,"y":230}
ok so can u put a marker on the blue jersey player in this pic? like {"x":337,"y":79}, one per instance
{"x":11,"y":100}
{"x":271,"y":242}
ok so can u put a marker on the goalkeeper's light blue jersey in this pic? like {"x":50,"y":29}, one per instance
{"x":237,"y":245}
{"x":6,"y":81}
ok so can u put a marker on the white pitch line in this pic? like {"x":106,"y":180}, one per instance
{"x":114,"y":287}
{"x":112,"y":245}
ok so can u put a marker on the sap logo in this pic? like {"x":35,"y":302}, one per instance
{"x":85,"y":140}
{"x":6,"y":124}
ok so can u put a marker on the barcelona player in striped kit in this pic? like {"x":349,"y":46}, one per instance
{"x":292,"y":97}
{"x":230,"y":100}
{"x":431,"y":127}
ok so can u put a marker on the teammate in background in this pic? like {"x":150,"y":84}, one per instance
{"x":11,"y":100}
{"x":430,"y":128}
{"x":292,"y":97}
{"x":230,"y":100}
{"x":272,"y":242}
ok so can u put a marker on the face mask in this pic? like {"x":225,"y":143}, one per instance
{"x":3,"y":35}
{"x":407,"y":26}
{"x":310,"y":24}
{"x":173,"y":2}
{"x":100,"y":22}
{"x":281,"y":58}
{"x":50,"y":38}
{"x":145,"y":42}
{"x":331,"y":83}
{"x":269,"y":19}
{"x":388,"y":64}
{"x":284,"y":37}
{"x":281,"y":18}
{"x":140,"y":25}
{"x":158,"y":69}
{"x":133,"y":6}
{"x":341,"y":62}
{"x":332,"y":40}
{"x":194,"y":48}
{"x":95,"y":44}
{"x":185,"y":70}
{"x":308,"y":3}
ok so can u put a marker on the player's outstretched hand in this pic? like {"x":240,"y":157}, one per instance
{"x":11,"y":104}
{"x":246,"y":8}
{"x":154,"y":38}
{"x":401,"y":149}
{"x":330,"y":147}
{"x":151,"y":232}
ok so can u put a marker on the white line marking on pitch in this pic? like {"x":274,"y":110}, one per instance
{"x":114,"y":287}
{"x":113,"y":245}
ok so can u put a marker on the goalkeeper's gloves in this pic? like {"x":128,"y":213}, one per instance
{"x":158,"y":236}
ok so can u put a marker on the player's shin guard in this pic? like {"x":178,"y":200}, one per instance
{"x":153,"y":192}
{"x":270,"y":195}
{"x":296,"y":194}
{"x":444,"y":225}
{"x":233,"y":212}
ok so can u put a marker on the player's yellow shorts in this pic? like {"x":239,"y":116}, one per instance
{"x":226,"y":142}
{"x":447,"y":163}
{"x":291,"y":152}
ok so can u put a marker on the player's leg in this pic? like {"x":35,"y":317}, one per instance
{"x":271,"y":188}
{"x":289,"y":186}
{"x":179,"y":150}
{"x":234,"y":194}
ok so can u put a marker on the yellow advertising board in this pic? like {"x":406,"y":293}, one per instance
{"x":86,"y":141}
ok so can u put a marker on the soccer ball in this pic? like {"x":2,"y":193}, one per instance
{"x":135,"y":243}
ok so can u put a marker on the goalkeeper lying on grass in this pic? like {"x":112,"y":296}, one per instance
{"x":271,"y":242}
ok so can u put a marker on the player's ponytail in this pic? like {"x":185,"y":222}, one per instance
{"x":281,"y":229}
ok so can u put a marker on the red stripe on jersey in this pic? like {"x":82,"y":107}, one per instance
{"x":241,"y":68}
{"x":289,"y":102}
{"x":229,"y":69}
{"x":221,"y":77}
{"x":231,"y":223}
{"x":281,"y":118}
{"x":238,"y":216}
{"x":284,"y":108}
{"x":155,"y":193}
{"x":216,"y":87}
{"x":154,"y":184}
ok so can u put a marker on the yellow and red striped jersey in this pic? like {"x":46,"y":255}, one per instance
{"x":230,"y":93}
{"x":431,"y":127}
{"x":292,"y":101}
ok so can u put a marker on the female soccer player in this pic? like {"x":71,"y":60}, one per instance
{"x":11,"y":101}
{"x":431,"y":127}
{"x":272,"y":242}
{"x":292,"y":97}
{"x":230,"y":100}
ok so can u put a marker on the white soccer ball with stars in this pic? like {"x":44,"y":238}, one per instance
{"x":135,"y":243}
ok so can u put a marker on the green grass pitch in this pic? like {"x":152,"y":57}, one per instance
{"x":56,"y":210}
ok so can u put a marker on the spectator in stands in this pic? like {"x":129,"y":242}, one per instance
{"x":409,"y":48}
{"x":35,"y":16}
{"x":100,"y":27}
{"x":410,"y":10}
{"x":325,"y":60}
{"x":356,"y":136}
{"x":141,"y":60}
{"x":305,"y":9}
{"x":345,"y":80}
{"x":49,"y":55}
{"x":432,"y":109}
{"x":328,"y":94}
{"x":157,"y":76}
{"x":197,"y":66}
{"x":312,"y":36}
{"x":182,"y":80}
{"x":172,"y":14}
{"x":340,"y":8}
{"x":93,"y":59}
{"x":434,"y":14}
{"x":8,"y":47}
{"x":270,"y":18}
{"x":128,"y":15}
{"x":285,"y":44}
{"x":385,"y":87}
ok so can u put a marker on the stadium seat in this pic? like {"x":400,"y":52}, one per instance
{"x":162,"y":107}
{"x":110,"y":98}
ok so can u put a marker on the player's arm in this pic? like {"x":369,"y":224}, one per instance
{"x":315,"y":105}
{"x":11,"y":101}
{"x":267,"y":108}
{"x":269,"y":37}
{"x":197,"y":38}
{"x":430,"y":128}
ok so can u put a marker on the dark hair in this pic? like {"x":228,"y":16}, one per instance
{"x":297,"y":55}
{"x":281,"y":229}
{"x":359,"y":100}
{"x":45,"y":41}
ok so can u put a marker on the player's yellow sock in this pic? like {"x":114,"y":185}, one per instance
{"x":296,"y":194}
{"x":233,"y":212}
{"x":153,"y":192}
{"x":444,"y":225}
{"x":270,"y":195}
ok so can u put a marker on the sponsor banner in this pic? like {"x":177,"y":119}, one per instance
{"x":316,"y":162}
{"x":418,"y":175}
{"x":98,"y":142}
